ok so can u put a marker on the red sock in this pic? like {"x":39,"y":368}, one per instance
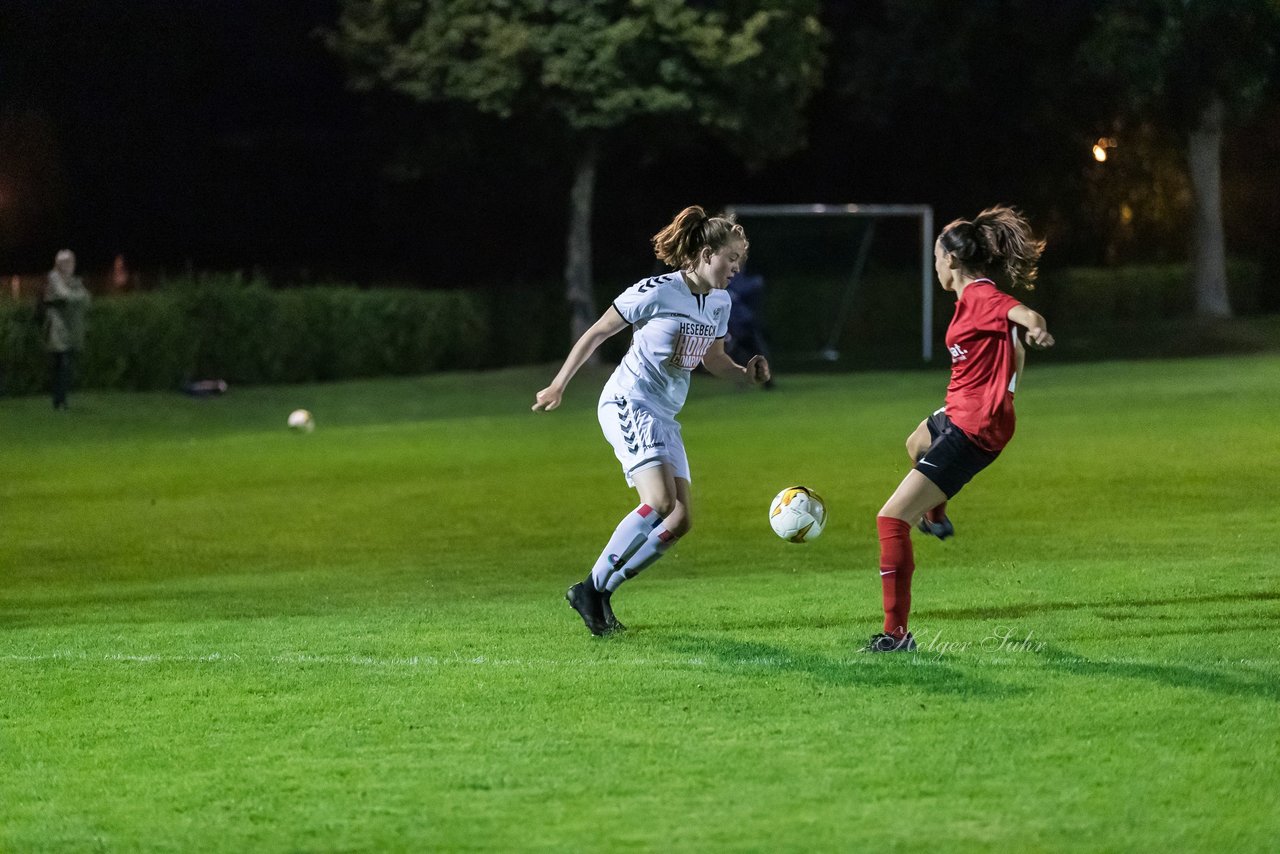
{"x":937,"y":514}
{"x":897,"y":565}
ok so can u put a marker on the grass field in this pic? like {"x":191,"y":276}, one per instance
{"x":218,"y":635}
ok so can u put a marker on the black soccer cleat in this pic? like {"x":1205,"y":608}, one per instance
{"x":883,"y":642}
{"x":584,"y":599}
{"x":942,"y":530}
{"x":610,"y":621}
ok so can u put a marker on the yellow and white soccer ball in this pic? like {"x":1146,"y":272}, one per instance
{"x":798,"y":514}
{"x":301,"y":421}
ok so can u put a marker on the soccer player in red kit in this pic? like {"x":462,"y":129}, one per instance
{"x":986,"y":339}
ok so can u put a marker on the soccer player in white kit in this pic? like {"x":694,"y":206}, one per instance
{"x":679,"y":321}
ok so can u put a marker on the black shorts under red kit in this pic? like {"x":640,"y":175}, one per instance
{"x":953,"y":458}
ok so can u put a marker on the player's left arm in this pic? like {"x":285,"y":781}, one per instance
{"x":1037,"y":327}
{"x":722,"y":365}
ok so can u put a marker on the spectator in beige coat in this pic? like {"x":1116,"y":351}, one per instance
{"x":65,"y":302}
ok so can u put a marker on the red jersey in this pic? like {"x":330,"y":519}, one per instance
{"x":983,"y":344}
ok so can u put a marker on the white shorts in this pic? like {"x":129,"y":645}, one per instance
{"x":641,"y":438}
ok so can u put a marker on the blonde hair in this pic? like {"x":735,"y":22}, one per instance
{"x":997,"y":240}
{"x":682,"y":241}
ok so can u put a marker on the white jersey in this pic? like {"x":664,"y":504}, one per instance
{"x":674,"y":328}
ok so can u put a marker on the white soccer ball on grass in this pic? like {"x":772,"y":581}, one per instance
{"x":798,"y":514}
{"x":301,"y":421}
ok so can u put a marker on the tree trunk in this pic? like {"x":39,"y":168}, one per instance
{"x":1208,"y":251}
{"x":577,"y":270}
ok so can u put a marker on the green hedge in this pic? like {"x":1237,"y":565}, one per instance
{"x":1138,"y":292}
{"x":254,"y":335}
{"x":220,"y":327}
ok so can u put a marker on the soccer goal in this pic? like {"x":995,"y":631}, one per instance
{"x":835,"y":320}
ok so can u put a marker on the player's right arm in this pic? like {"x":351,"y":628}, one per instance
{"x":609,"y":324}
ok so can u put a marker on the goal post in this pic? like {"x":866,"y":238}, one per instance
{"x":924,"y":213}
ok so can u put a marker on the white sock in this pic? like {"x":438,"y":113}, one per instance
{"x":629,"y":536}
{"x":650,"y":550}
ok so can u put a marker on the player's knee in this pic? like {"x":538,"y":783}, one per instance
{"x":664,"y":506}
{"x":680,"y":524}
{"x":918,"y":442}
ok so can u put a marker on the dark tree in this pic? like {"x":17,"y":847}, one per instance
{"x":1190,"y":66}
{"x":742,"y":70}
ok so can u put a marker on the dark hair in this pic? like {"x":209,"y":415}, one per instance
{"x":679,"y":244}
{"x":997,"y":240}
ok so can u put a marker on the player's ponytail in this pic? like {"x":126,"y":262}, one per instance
{"x":997,"y":240}
{"x":679,"y":244}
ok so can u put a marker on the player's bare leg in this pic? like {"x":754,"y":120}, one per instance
{"x":912,"y":498}
{"x":919,"y":441}
{"x":934,"y":520}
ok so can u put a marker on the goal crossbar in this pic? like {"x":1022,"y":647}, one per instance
{"x":922,"y":212}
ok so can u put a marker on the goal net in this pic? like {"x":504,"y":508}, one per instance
{"x":845,"y":284}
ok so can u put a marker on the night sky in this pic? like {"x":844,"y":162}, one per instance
{"x":219,"y":134}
